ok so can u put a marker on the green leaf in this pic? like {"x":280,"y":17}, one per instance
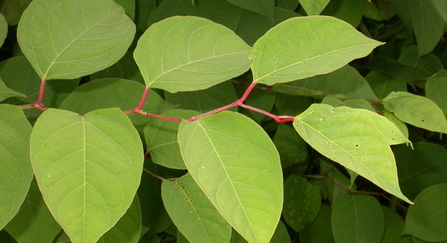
{"x":204,"y":100}
{"x":19,"y":75}
{"x":65,"y":40}
{"x":291,"y":148}
{"x":287,"y":4}
{"x":394,"y":224}
{"x":415,"y":176}
{"x":262,"y":7}
{"x":343,"y":83}
{"x":313,"y":7}
{"x":383,"y":84}
{"x":193,"y":53}
{"x":128,"y":227}
{"x":237,"y":166}
{"x":435,"y":88}
{"x":33,"y":222}
{"x":3,"y":29}
{"x":193,"y":213}
{"x":320,"y":44}
{"x":441,"y":7}
{"x":13,"y":9}
{"x":115,"y":92}
{"x":426,"y":218}
{"x":16,"y":173}
{"x":129,"y":7}
{"x":320,"y":230}
{"x":302,"y":202}
{"x":350,"y":11}
{"x":357,"y":139}
{"x":335,"y":181}
{"x":6,"y":92}
{"x":357,"y":218}
{"x":416,"y":110}
{"x":399,"y":124}
{"x":88,"y":168}
{"x":161,"y":139}
{"x":379,"y":10}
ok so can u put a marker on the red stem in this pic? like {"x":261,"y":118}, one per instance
{"x":38,"y":104}
{"x":278,"y":119}
{"x":376,"y":103}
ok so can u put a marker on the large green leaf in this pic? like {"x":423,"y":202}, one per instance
{"x":193,"y":213}
{"x":356,"y":138}
{"x":16,"y":173}
{"x":237,"y":166}
{"x":69,"y":39}
{"x":394,"y":224}
{"x":313,"y":7}
{"x":357,"y":218}
{"x":343,"y":83}
{"x":302,"y":202}
{"x":3,"y":29}
{"x":383,"y":84}
{"x":416,"y":110}
{"x":426,"y":218}
{"x":262,"y":7}
{"x":192,"y":53}
{"x":88,"y":168}
{"x":34,"y":222}
{"x":303,"y":47}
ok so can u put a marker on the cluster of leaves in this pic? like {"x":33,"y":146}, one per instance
{"x":87,"y":86}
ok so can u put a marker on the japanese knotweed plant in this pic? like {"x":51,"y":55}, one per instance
{"x":195,"y":110}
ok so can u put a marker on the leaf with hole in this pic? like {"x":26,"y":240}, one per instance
{"x":416,"y":110}
{"x":88,"y":168}
{"x":63,"y":39}
{"x":357,"y":139}
{"x":227,"y":154}
{"x":303,"y":47}
{"x":192,"y":53}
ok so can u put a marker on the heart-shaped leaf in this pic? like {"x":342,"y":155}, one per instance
{"x":88,"y":168}
{"x":303,"y":47}
{"x":357,"y":139}
{"x":65,"y":39}
{"x":237,"y":166}
{"x":190,"y":53}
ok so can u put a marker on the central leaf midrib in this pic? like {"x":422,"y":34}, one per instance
{"x":231,"y":182}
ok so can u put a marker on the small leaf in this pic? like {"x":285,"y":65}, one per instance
{"x":63,"y":39}
{"x":416,"y":110}
{"x":161,"y":139}
{"x":356,"y":138}
{"x":350,"y":11}
{"x":237,"y":166}
{"x":313,"y":7}
{"x":343,"y":83}
{"x":383,"y":84}
{"x":394,"y":224}
{"x":16,"y":173}
{"x":6,"y":92}
{"x":357,"y":218}
{"x":302,"y":202}
{"x":291,"y":147}
{"x":426,"y":218}
{"x":88,"y":168}
{"x":320,"y":44}
{"x":192,"y":53}
{"x":193,"y":213}
{"x":435,"y":88}
{"x":335,"y":181}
